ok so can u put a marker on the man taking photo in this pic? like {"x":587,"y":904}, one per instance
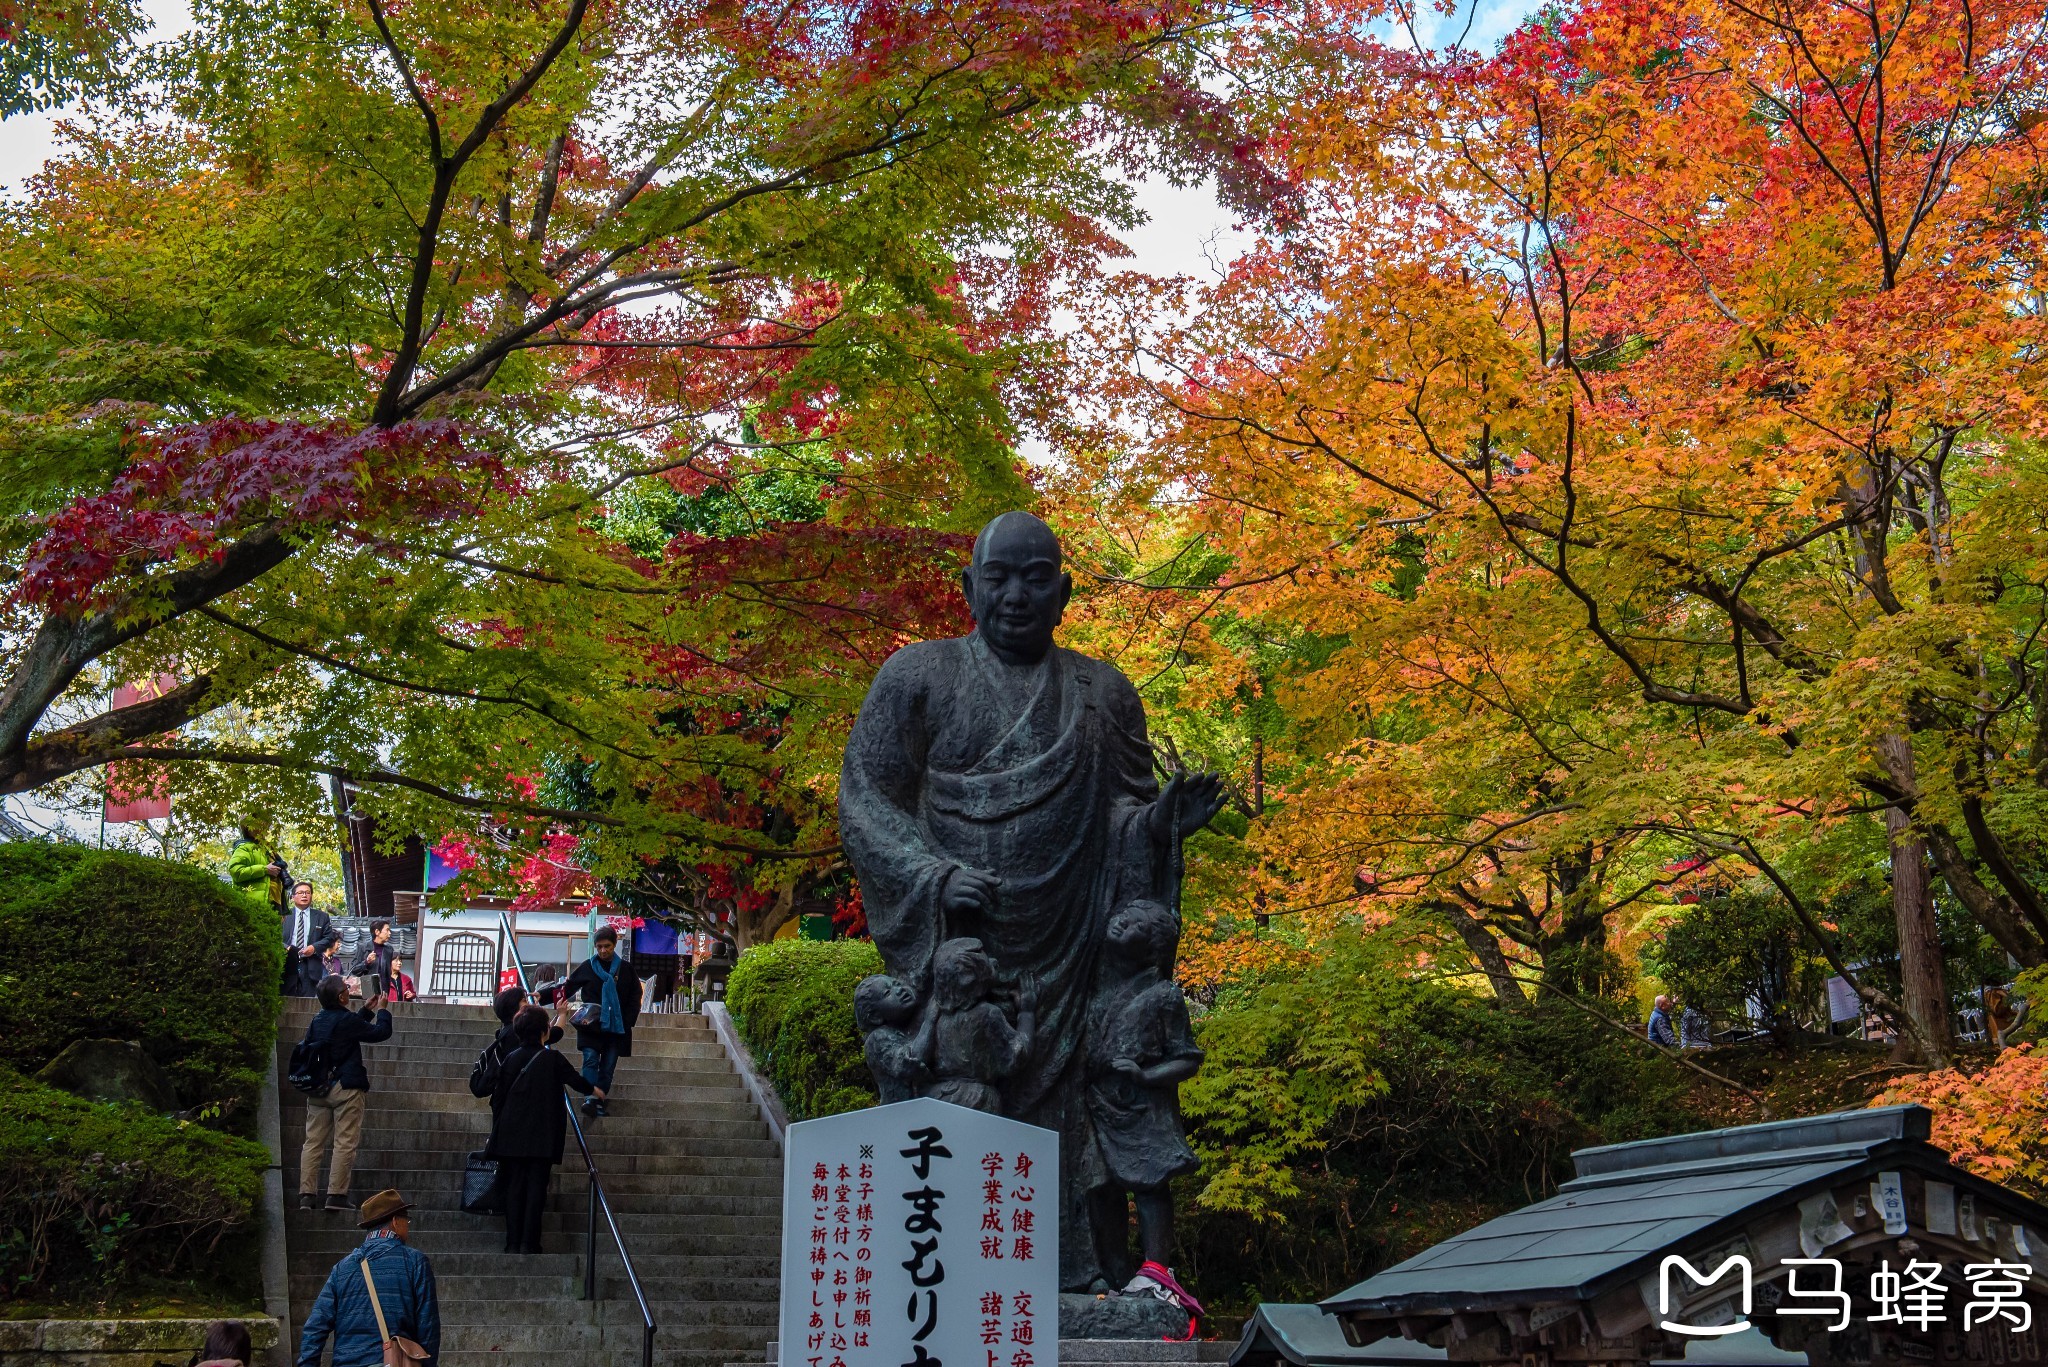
{"x":335,"y":1117}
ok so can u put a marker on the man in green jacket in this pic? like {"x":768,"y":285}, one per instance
{"x":253,"y":867}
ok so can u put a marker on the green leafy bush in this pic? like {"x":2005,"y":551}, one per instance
{"x":1724,"y":954}
{"x":793,"y":1003}
{"x":1349,"y":1114}
{"x":103,"y":945}
{"x":96,"y":1196}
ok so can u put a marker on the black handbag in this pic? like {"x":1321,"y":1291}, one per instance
{"x":482,"y":1193}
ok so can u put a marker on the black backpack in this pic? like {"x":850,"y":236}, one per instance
{"x":489,"y":1065}
{"x":311,"y":1067}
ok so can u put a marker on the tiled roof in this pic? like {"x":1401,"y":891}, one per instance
{"x":1631,"y":1203}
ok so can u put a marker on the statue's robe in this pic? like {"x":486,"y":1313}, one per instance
{"x":1040,"y":774}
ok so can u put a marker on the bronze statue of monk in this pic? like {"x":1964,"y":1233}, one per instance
{"x":999,"y":788}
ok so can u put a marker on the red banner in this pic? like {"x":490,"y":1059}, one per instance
{"x":138,"y":790}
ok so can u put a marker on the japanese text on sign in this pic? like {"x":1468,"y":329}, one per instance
{"x":920,"y":1235}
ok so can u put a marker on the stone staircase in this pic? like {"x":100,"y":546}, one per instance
{"x":689,"y":1165}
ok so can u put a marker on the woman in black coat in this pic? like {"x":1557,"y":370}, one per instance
{"x":607,"y":982}
{"x":529,"y":1126}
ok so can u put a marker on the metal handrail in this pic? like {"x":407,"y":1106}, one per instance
{"x":598,"y":1199}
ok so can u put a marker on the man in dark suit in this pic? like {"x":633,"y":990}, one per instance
{"x":308,"y":934}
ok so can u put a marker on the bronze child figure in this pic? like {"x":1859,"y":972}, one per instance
{"x":899,"y":1055}
{"x":976,"y":1045}
{"x":1141,"y":1047}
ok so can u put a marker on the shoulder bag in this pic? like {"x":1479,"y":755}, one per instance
{"x":399,"y":1351}
{"x":482,"y":1193}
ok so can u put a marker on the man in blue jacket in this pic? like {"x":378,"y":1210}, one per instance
{"x":405,"y":1289}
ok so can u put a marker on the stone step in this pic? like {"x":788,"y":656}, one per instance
{"x":436,"y":1191}
{"x":702,"y":1158}
{"x":705,"y":1101}
{"x":435,"y":1198}
{"x":646,"y":1120}
{"x":721,"y":1120}
{"x":406,"y":1066}
{"x":304,"y":1008}
{"x":503,"y":1278}
{"x":637,"y":1226}
{"x":466,"y":1044}
{"x":627,"y":1190}
{"x":682,"y":1320}
{"x":741,"y":1326}
{"x":474,"y":1247}
{"x":463,"y":1049}
{"x":692,"y":1171}
{"x":399,"y":1087}
{"x":432,"y":1017}
{"x":679,"y":1100}
{"x":501,"y":1299}
{"x":399,"y":1055}
{"x":410,"y":1171}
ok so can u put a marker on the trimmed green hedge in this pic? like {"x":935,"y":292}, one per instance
{"x":103,"y":945}
{"x":793,"y":1003}
{"x":98,"y":1197}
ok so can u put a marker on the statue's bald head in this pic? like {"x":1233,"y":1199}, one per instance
{"x":1017,"y":537}
{"x":1016,"y":588}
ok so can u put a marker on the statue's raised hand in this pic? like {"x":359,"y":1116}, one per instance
{"x":1195,"y":798}
{"x":969,"y":892}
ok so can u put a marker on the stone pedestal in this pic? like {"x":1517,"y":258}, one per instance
{"x":1117,"y":1317}
{"x":1142,"y":1353}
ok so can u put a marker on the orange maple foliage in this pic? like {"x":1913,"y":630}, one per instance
{"x":1630,"y":458}
{"x":1994,"y":1122}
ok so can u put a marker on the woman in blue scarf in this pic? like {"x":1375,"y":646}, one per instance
{"x":607,"y":982}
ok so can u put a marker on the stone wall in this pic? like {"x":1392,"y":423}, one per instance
{"x":114,"y":1343}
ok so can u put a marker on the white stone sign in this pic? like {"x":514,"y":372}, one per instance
{"x":921,"y":1234}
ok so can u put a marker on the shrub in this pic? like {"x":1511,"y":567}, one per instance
{"x":1726,"y":954}
{"x":1993,"y":1122}
{"x":793,"y":1003}
{"x":98,"y":944}
{"x":96,"y":1196}
{"x":1349,"y":1114}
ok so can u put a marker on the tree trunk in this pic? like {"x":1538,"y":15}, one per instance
{"x":1923,"y":982}
{"x":1575,"y":957}
{"x":758,"y":927}
{"x":1984,"y":904}
{"x":1485,"y":951}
